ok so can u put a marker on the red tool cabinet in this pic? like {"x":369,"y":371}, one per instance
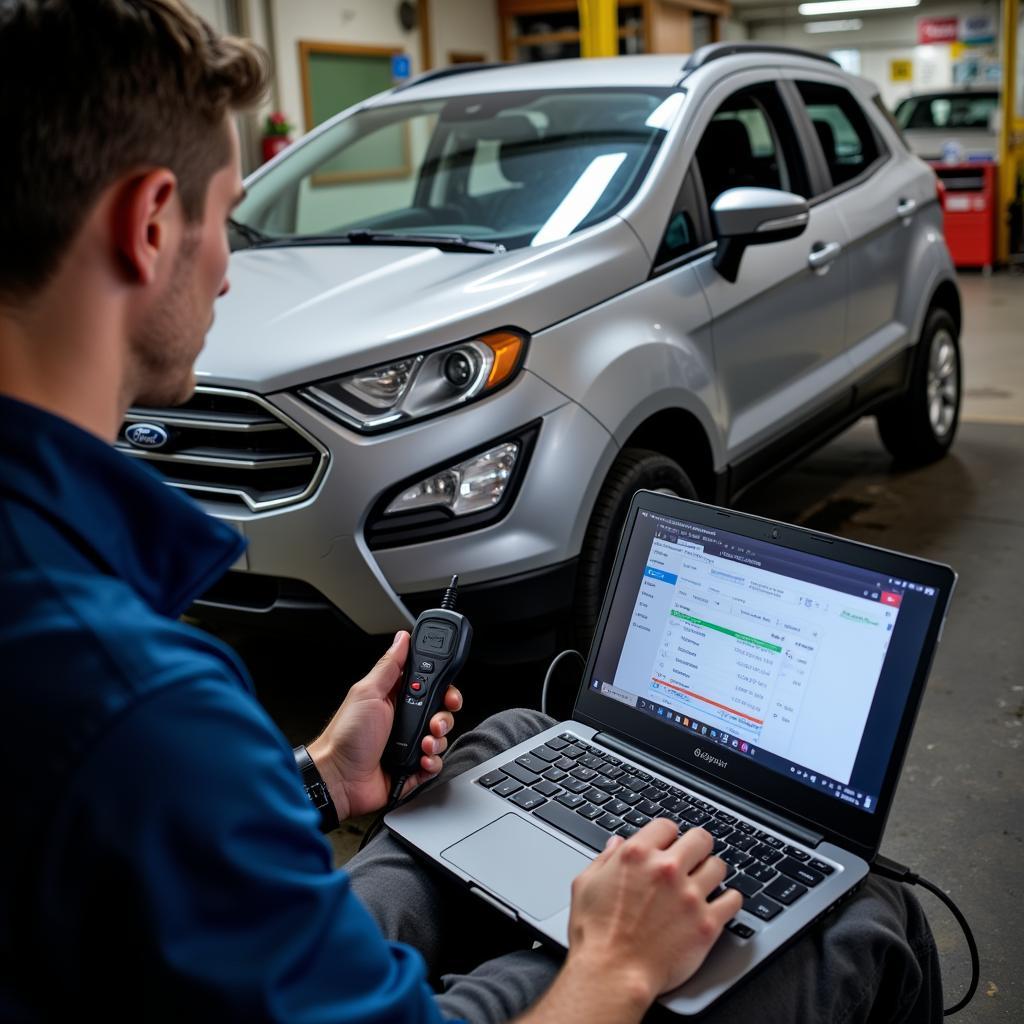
{"x":969,"y":208}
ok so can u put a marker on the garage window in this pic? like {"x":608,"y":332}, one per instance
{"x":844,"y":134}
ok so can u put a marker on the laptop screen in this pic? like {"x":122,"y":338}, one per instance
{"x":796,"y":663}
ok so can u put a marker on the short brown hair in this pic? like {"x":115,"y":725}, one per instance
{"x":96,"y":88}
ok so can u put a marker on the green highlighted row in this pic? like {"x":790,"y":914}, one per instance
{"x":729,"y":632}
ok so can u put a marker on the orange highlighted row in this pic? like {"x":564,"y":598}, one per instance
{"x":708,"y":700}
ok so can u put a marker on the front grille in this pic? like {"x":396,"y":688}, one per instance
{"x":230,"y":447}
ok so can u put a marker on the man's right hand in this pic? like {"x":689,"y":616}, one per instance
{"x":640,"y":925}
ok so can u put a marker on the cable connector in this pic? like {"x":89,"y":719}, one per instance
{"x":451,"y":595}
{"x":893,"y":871}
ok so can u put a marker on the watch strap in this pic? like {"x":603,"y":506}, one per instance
{"x":316,"y":789}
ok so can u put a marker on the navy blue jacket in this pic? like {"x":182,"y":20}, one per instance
{"x":161,"y":860}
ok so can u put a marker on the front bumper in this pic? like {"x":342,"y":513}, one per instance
{"x":320,"y":542}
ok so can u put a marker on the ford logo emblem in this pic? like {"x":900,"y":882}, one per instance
{"x":146,"y":435}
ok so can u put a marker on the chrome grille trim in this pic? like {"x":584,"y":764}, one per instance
{"x":178,"y":418}
{"x":241,"y":425}
{"x":214,"y":460}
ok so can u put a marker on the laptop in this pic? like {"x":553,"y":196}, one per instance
{"x":753,"y":678}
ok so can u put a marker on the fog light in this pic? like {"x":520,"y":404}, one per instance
{"x":471,"y":486}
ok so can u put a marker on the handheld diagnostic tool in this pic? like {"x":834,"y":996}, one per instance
{"x":437,"y":651}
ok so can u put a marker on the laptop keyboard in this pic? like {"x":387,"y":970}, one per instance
{"x":590,"y":794}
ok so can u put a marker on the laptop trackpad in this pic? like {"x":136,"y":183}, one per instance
{"x":521,"y":864}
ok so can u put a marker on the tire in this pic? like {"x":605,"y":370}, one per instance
{"x":634,"y":469}
{"x":919,"y":426}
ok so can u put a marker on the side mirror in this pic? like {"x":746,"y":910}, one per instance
{"x":753,"y":216}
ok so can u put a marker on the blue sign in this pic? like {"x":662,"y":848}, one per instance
{"x":401,"y":67}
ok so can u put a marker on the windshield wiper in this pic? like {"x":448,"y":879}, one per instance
{"x":249,"y":234}
{"x":446,"y":243}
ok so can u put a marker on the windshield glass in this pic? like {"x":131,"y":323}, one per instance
{"x":952,"y":110}
{"x":515,"y":169}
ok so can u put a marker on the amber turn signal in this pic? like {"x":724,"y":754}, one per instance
{"x":507,"y":348}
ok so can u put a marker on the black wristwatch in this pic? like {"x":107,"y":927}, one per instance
{"x":316,"y":789}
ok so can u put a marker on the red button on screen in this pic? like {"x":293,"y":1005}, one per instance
{"x":888,"y":597}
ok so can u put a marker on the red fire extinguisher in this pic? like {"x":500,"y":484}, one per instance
{"x":275,"y":135}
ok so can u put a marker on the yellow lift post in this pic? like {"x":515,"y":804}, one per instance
{"x":1011,"y":133}
{"x":599,"y":28}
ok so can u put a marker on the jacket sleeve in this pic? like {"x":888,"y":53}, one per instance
{"x":185,"y":878}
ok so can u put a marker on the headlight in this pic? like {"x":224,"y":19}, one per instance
{"x":471,"y":486}
{"x":407,"y":389}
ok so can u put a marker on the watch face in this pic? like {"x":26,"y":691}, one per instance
{"x":317,"y":793}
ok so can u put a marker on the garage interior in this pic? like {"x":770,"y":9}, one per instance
{"x":959,"y":807}
{"x":958,"y":817}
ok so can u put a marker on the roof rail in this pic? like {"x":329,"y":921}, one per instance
{"x":715,"y":51}
{"x":454,"y":69}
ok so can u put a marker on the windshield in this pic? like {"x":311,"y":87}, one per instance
{"x":515,"y":169}
{"x":952,"y":110}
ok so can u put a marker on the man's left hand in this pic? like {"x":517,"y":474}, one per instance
{"x":348,"y":752}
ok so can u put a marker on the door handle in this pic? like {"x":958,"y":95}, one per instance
{"x":905,"y":207}
{"x":823,"y":254}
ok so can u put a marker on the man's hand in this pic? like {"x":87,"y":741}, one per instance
{"x":640,"y":925}
{"x":348,"y":752}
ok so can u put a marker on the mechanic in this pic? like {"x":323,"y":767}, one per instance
{"x":163,"y":860}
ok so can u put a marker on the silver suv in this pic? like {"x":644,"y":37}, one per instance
{"x":472,"y":315}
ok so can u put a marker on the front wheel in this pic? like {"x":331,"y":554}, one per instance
{"x":634,"y":469}
{"x":919,"y":426}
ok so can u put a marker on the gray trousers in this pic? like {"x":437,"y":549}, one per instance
{"x":874,"y":960}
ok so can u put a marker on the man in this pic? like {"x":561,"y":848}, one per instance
{"x":163,"y":860}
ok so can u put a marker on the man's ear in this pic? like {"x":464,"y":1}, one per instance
{"x":145,"y":215}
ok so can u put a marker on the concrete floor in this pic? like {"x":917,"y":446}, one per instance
{"x":993,"y":349}
{"x":958,"y":817}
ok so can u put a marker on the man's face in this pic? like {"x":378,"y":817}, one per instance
{"x":168,"y":342}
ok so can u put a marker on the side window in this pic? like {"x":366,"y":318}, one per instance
{"x":842,"y":127}
{"x":751,"y":141}
{"x":685,"y":231}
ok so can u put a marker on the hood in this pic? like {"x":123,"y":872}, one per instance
{"x":296,"y":315}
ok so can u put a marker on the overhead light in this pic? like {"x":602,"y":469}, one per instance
{"x":846,"y":25}
{"x":849,"y":6}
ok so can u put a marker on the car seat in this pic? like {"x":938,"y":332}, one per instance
{"x":725,"y":158}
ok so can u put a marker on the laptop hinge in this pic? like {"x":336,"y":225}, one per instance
{"x":751,"y":810}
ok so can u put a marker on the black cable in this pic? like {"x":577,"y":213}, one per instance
{"x":551,"y":669}
{"x":900,"y":873}
{"x":394,"y":798}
